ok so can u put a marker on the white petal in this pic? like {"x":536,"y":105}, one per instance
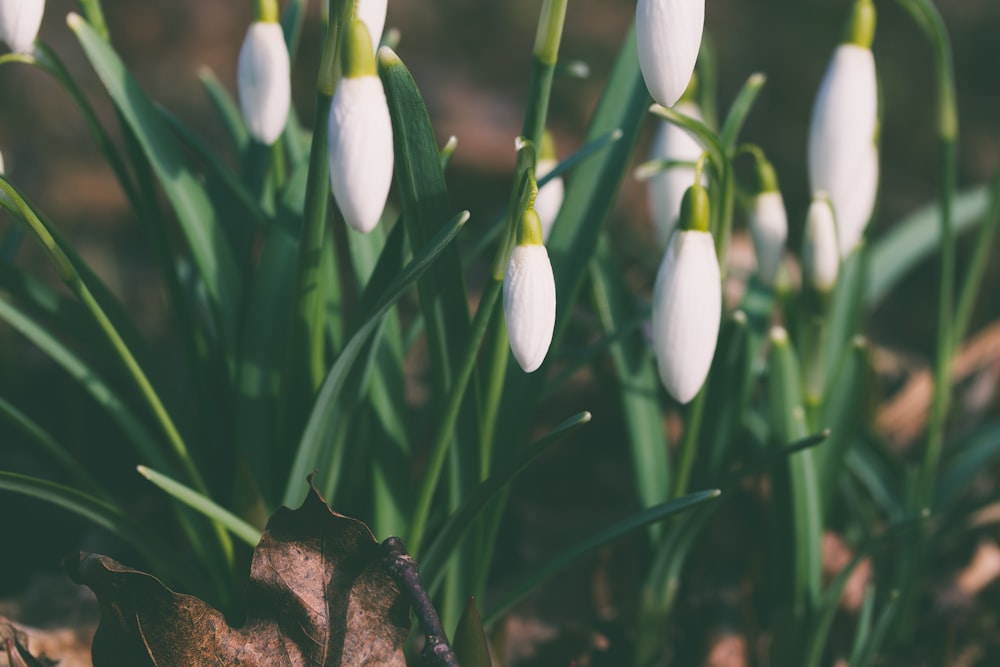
{"x":687,"y":307}
{"x":820,"y":250}
{"x":853,"y":209}
{"x":769,"y":228}
{"x":361,"y":155}
{"x":19,"y":23}
{"x":842,"y":129}
{"x":264,"y":81}
{"x":1,"y":163}
{"x":667,"y":188}
{"x":372,"y":13}
{"x":550,"y":196}
{"x":668,"y":36}
{"x":529,"y":304}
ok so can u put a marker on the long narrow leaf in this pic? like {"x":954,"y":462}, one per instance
{"x":206,"y":506}
{"x":194,"y":210}
{"x":322,"y":421}
{"x":559,"y":562}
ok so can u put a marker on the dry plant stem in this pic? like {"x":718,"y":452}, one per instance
{"x":437,"y":651}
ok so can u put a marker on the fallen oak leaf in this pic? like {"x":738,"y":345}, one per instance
{"x":319,"y":594}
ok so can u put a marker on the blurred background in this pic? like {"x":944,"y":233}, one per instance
{"x":471,"y":59}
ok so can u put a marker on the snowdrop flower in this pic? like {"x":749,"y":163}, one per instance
{"x":372,"y":14}
{"x":667,"y":188}
{"x":550,"y":196}
{"x":264,"y":80}
{"x":360,"y":132}
{"x":768,"y":221}
{"x":687,"y":301}
{"x":1,"y":164}
{"x":529,"y":295}
{"x":668,"y":37}
{"x":820,"y":254}
{"x":843,"y":161}
{"x":19,"y":23}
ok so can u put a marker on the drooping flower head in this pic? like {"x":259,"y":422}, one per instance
{"x":529,"y":295}
{"x":820,"y":248}
{"x":264,"y":78}
{"x":360,"y":134}
{"x":687,"y":301}
{"x":19,"y":23}
{"x":668,"y":38}
{"x":843,"y":159}
{"x":550,"y":196}
{"x":768,"y":220}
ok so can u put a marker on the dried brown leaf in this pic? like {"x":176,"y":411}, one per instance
{"x":319,"y":594}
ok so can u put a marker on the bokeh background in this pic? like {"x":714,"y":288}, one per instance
{"x":471,"y":59}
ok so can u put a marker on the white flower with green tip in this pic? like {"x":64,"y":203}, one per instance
{"x":264,"y":81}
{"x":687,"y":302}
{"x":843,"y":161}
{"x":529,"y":296}
{"x":360,"y":135}
{"x":668,"y":38}
{"x":19,"y":23}
{"x":768,"y":221}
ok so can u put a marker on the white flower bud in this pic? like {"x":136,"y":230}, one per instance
{"x":372,"y":14}
{"x":529,"y":304}
{"x":361,"y":153}
{"x":667,"y":188}
{"x":687,"y":308}
{"x":853,"y":209}
{"x":19,"y":23}
{"x":769,"y":228}
{"x":842,"y":139}
{"x":264,"y":81}
{"x":550,"y":196}
{"x":1,"y":163}
{"x":668,"y":37}
{"x":820,"y":250}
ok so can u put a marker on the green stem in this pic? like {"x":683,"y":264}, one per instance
{"x":930,"y":20}
{"x":977,"y":267}
{"x":95,"y":17}
{"x":445,"y":432}
{"x":68,"y":274}
{"x":690,"y":443}
{"x":543,"y":67}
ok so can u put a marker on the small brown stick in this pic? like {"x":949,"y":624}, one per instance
{"x":437,"y":651}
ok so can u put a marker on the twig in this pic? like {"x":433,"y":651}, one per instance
{"x":437,"y":651}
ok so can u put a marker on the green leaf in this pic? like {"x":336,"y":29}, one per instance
{"x":203,"y":505}
{"x":638,"y":378}
{"x":826,"y":609}
{"x":194,"y":210}
{"x":227,"y":109}
{"x":740,"y":109}
{"x":105,"y":515}
{"x":842,"y":414}
{"x":969,"y":459}
{"x":446,"y":540}
{"x":915,"y":238}
{"x":91,"y":381}
{"x":470,"y":644}
{"x":323,"y":421}
{"x":51,"y":448}
{"x":558,"y":563}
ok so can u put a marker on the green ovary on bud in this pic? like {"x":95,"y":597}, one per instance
{"x":860,"y":29}
{"x":357,"y":54}
{"x":529,"y":229}
{"x":695,"y":209}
